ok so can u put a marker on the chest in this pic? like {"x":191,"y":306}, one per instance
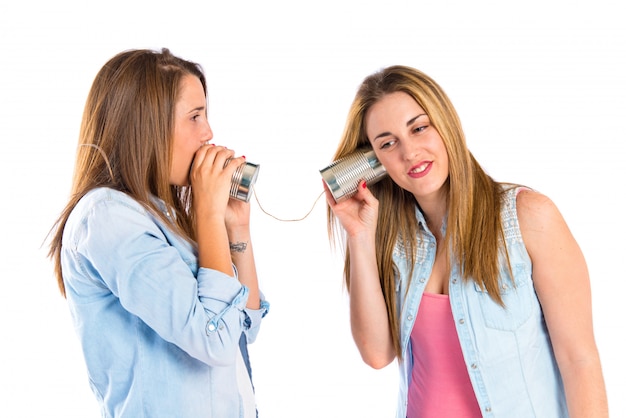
{"x":438,"y":282}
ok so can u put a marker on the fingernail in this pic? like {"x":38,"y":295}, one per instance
{"x":243,"y":156}
{"x":364,"y":184}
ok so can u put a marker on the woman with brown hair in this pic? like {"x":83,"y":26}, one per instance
{"x":153,"y":257}
{"x":476,"y":287}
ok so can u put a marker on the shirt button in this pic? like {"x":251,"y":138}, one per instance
{"x":409,"y":318}
{"x":453,"y":281}
{"x":210,"y":327}
{"x":461,"y":321}
{"x":474,"y":366}
{"x":487,"y":409}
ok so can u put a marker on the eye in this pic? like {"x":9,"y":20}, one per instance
{"x":387,"y":144}
{"x":419,"y":129}
{"x":195,"y":117}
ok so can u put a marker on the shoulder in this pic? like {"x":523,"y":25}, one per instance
{"x":105,"y":209}
{"x":107,"y":219}
{"x":104,"y":199}
{"x":543,"y":227}
{"x":535,"y":209}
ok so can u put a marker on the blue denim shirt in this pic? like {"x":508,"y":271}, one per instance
{"x":159,"y":335}
{"x":507,"y":351}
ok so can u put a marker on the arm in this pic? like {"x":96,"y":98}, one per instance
{"x":223,"y":227}
{"x":210,"y":180}
{"x":149,"y":269}
{"x":240,"y":244}
{"x":222,"y":224}
{"x":368,"y":311}
{"x":243,"y":257}
{"x":562,"y":283}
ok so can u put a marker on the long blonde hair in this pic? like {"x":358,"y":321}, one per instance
{"x":125,"y":140}
{"x":473,"y":227}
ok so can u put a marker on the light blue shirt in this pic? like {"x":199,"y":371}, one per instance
{"x":507,"y":351}
{"x":159,"y":335}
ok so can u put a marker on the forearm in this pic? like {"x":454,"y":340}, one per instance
{"x":242,"y":255}
{"x":585,"y":390}
{"x":368,"y":311}
{"x":213,"y":246}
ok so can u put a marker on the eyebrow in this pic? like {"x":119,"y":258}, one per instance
{"x":408,"y":123}
{"x":197,"y":109}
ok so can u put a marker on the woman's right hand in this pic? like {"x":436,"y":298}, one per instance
{"x":210,"y":178}
{"x":358,"y":215}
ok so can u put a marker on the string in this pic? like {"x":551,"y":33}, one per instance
{"x":287,"y":220}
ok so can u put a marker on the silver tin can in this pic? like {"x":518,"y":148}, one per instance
{"x":243,"y":181}
{"x":342,"y":176}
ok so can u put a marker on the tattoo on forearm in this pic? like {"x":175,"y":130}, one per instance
{"x":238,"y":247}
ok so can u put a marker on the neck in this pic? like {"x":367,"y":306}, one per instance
{"x":435,"y":210}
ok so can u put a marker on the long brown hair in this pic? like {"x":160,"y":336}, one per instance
{"x":473,"y":228}
{"x":125,"y":140}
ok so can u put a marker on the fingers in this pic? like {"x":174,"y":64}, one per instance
{"x":232,"y":163}
{"x":216,"y":159}
{"x":358,"y":214}
{"x":361,"y":195}
{"x":364,"y":194}
{"x":214,"y":155}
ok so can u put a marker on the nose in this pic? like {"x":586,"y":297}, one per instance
{"x":208,"y":133}
{"x":409,"y":150}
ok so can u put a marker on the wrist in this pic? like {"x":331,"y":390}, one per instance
{"x":365,"y":241}
{"x":238,"y":246}
{"x":238,"y":232}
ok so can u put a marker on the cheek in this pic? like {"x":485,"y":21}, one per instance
{"x":393,"y":159}
{"x":438,"y":149}
{"x":395,"y":170}
{"x":182,"y":154}
{"x":184,"y":157}
{"x":444,"y":156}
{"x":184,"y":148}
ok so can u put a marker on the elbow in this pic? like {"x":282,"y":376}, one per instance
{"x":376,"y":354}
{"x":377,"y":364}
{"x":377,"y":361}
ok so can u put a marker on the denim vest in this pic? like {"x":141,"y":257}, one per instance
{"x":507,"y":351}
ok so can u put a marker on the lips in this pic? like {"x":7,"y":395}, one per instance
{"x":420,"y":169}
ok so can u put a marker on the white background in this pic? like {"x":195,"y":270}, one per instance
{"x":539,"y":86}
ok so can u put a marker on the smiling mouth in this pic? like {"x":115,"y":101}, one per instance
{"x":419,"y":169}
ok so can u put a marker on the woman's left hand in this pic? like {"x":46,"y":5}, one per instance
{"x":237,"y":214}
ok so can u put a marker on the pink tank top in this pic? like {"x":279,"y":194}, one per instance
{"x":440,"y":385}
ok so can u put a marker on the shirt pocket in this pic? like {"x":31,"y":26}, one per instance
{"x":518,"y":296}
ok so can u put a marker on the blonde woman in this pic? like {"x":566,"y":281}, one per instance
{"x":476,"y":287}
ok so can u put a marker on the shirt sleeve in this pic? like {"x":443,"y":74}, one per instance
{"x":118,"y":246}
